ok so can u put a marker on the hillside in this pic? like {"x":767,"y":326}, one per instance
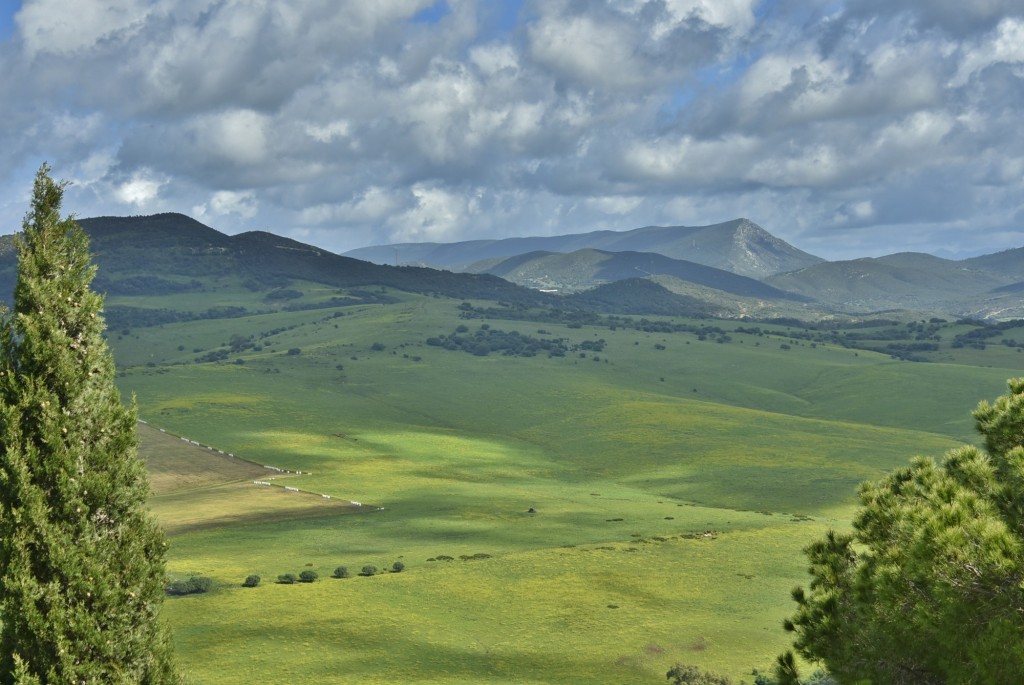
{"x":168,"y":254}
{"x":739,"y":246}
{"x":585,"y":269}
{"x":907,"y":281}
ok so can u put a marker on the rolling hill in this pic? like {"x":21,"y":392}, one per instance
{"x":908,"y":281}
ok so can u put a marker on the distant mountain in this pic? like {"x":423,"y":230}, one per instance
{"x":585,"y":269}
{"x":166,"y":254}
{"x":739,"y":246}
{"x":914,"y":281}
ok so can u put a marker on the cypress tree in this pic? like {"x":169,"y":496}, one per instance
{"x":81,"y":559}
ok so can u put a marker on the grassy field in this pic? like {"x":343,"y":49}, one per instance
{"x":674,"y":483}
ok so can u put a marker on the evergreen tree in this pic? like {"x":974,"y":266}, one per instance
{"x":81,"y":560}
{"x":929,"y":587}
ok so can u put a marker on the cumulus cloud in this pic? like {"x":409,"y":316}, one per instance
{"x":862,"y":125}
{"x":141,"y":189}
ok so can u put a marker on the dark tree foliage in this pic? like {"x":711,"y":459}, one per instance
{"x":929,"y":587}
{"x":685,"y":674}
{"x":193,"y":585}
{"x":81,"y":560}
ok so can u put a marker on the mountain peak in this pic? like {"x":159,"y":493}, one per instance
{"x":740,"y":246}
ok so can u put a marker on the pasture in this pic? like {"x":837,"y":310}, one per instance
{"x":674,"y":482}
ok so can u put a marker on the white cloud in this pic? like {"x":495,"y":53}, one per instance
{"x":237,"y":136}
{"x":51,"y":26}
{"x":348,"y":120}
{"x":224,"y":202}
{"x":1004,"y":45}
{"x":374,"y":205}
{"x":142,"y":189}
{"x":438,"y":215}
{"x":494,"y":57}
{"x":615,"y":204}
{"x":329,"y":132}
{"x":596,"y":53}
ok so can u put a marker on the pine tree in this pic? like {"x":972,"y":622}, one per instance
{"x":81,"y":560}
{"x":929,"y":587}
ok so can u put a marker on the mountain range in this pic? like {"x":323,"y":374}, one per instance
{"x":734,"y":268}
{"x":740,"y":247}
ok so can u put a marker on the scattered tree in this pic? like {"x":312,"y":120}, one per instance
{"x":191,"y":586}
{"x":81,"y":559}
{"x":341,"y":572}
{"x":398,"y":567}
{"x":308,"y":576}
{"x":691,"y":675}
{"x":369,"y":570}
{"x":287,"y":579}
{"x":929,"y":587}
{"x":251,"y":581}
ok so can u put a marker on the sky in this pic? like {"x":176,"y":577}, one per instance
{"x":849,"y":129}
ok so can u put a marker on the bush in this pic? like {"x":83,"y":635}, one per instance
{"x":342,"y":572}
{"x":691,"y":675}
{"x":398,"y":567}
{"x":287,"y":579}
{"x":377,"y":347}
{"x":251,"y":581}
{"x":308,"y":576}
{"x":369,"y":570}
{"x":193,"y":586}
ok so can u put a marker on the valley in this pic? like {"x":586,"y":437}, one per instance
{"x":628,"y":456}
{"x":550,"y":488}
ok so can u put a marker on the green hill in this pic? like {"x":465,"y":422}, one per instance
{"x":903,"y":281}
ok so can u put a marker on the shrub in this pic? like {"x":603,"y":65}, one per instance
{"x":251,"y":581}
{"x":398,"y":567}
{"x":377,"y":347}
{"x":369,"y":570}
{"x":341,"y":572}
{"x":308,"y":576}
{"x":691,"y":675}
{"x":192,"y":586}
{"x":287,"y":578}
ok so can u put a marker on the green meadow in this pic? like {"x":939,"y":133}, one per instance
{"x":673,"y":483}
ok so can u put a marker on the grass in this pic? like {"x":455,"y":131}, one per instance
{"x":622,"y":459}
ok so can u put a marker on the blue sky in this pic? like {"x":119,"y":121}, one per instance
{"x":7,"y":11}
{"x":848,"y":129}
